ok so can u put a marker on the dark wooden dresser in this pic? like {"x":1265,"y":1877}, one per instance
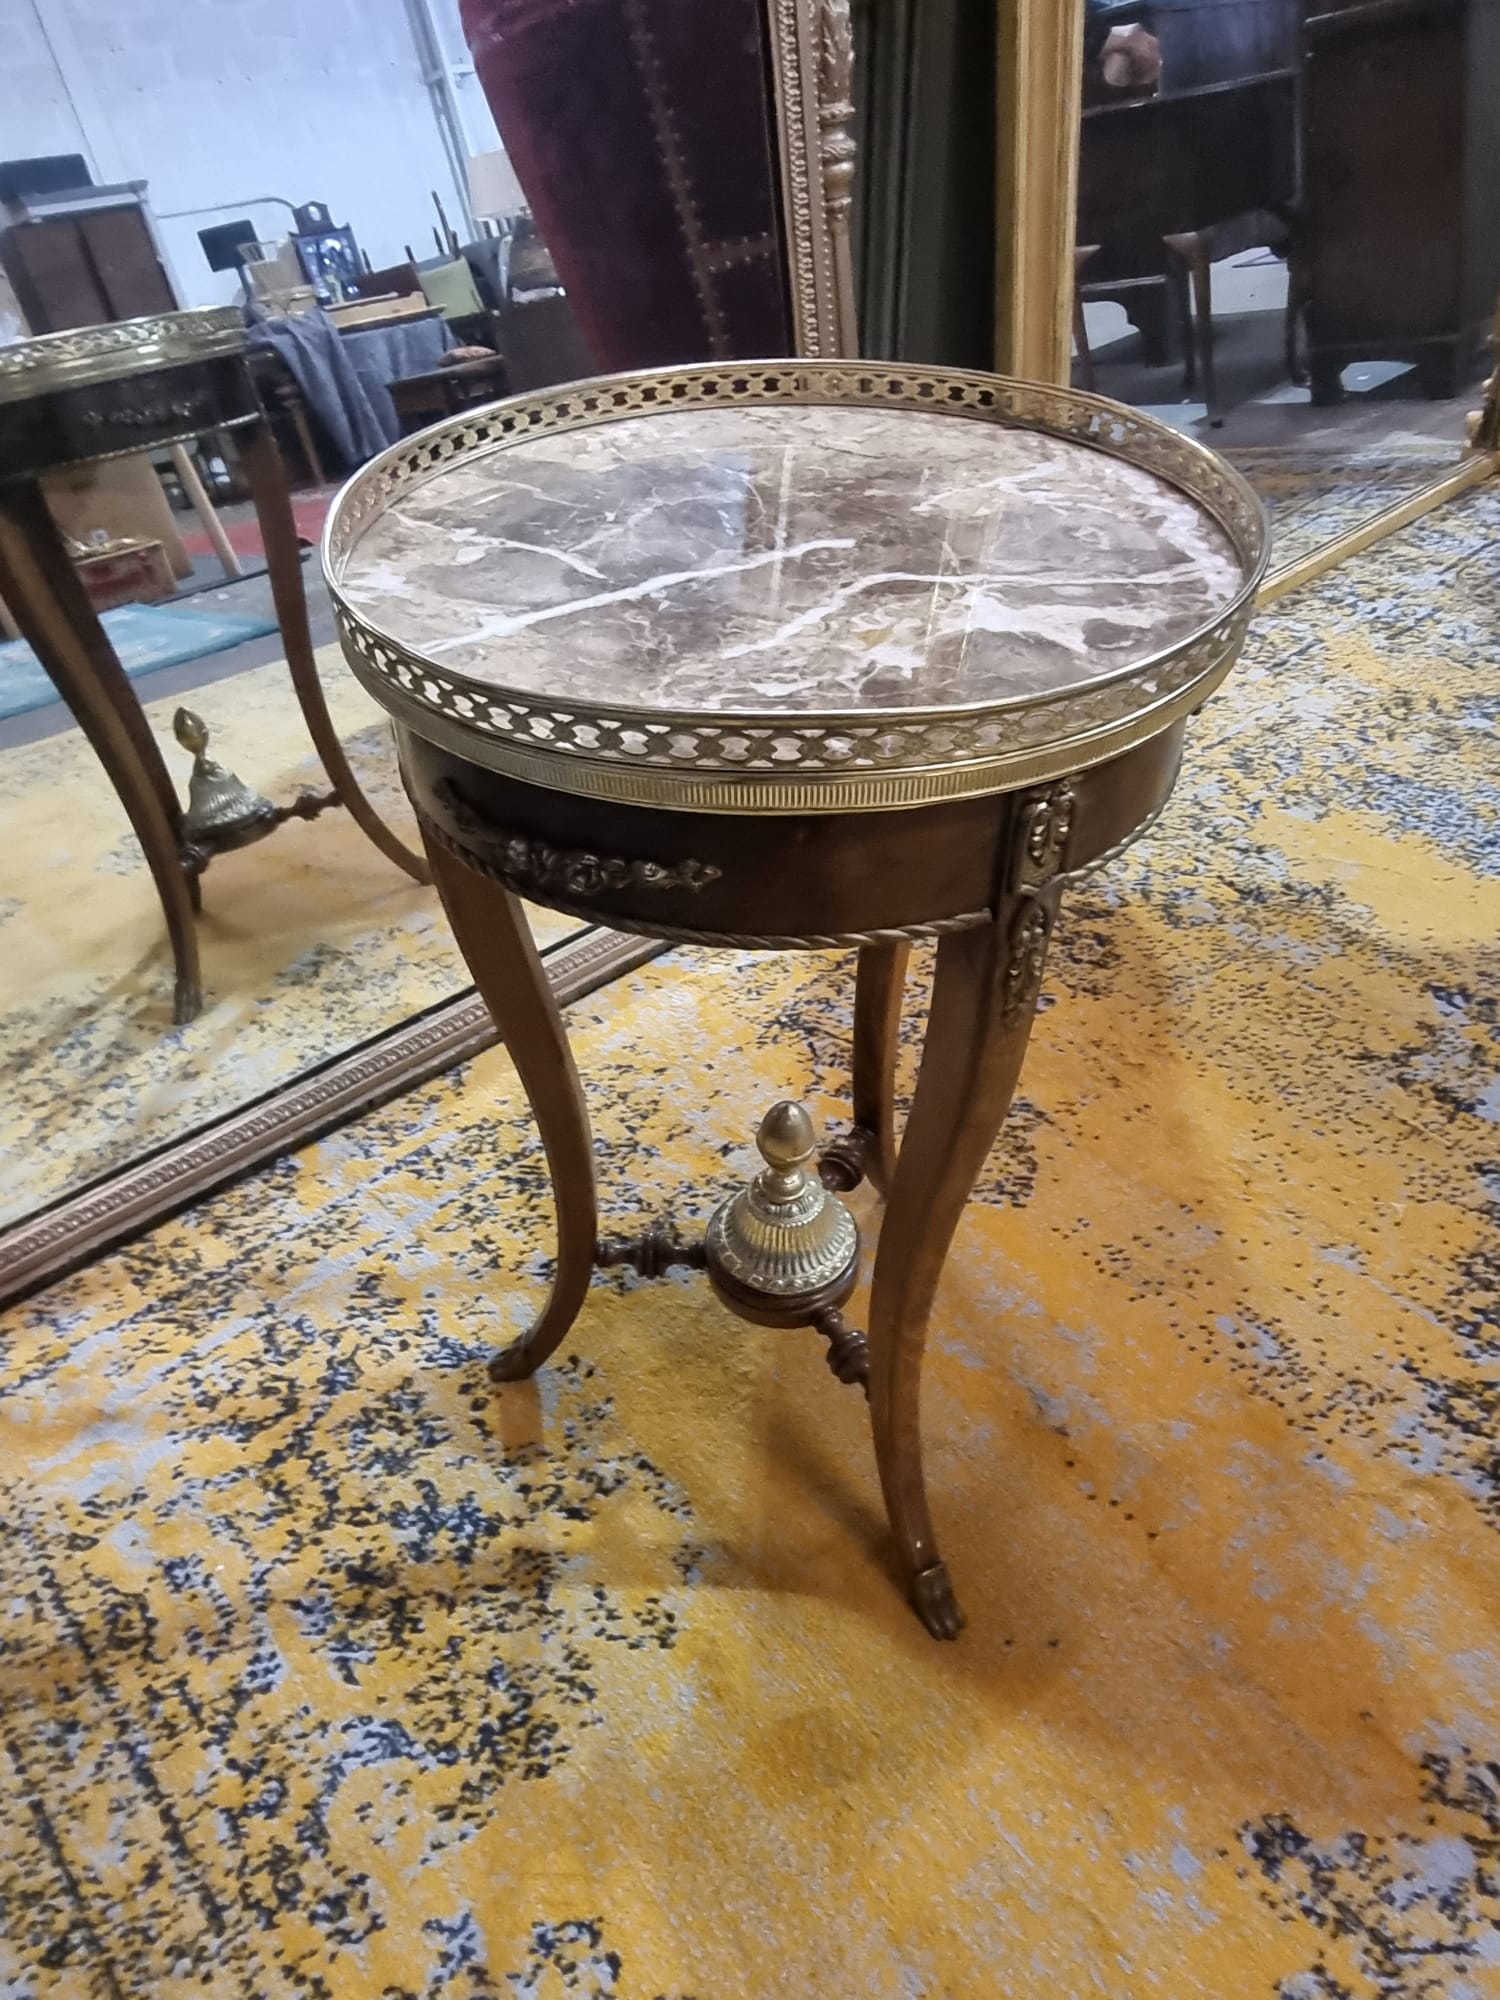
{"x":84,"y":258}
{"x":1401,"y":179}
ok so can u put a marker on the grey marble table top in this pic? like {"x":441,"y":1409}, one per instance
{"x":790,"y":560}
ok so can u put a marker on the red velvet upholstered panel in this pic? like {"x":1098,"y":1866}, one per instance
{"x":641,"y":132}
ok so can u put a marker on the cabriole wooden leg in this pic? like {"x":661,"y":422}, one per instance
{"x":265,"y":475}
{"x":55,"y":615}
{"x":496,"y":940}
{"x":879,"y":987}
{"x":983,"y":999}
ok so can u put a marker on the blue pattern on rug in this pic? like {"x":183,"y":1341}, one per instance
{"x":144,"y":636}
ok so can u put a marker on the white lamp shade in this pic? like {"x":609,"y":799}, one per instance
{"x":493,"y":187}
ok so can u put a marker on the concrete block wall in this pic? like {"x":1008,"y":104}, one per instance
{"x":35,"y":113}
{"x":216,"y":100}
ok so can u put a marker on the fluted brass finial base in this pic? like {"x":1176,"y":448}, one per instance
{"x":222,"y":811}
{"x":785,"y":1242}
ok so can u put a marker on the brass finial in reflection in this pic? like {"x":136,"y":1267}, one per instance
{"x":220,"y":805}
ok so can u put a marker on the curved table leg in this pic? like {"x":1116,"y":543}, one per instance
{"x":266,"y":477}
{"x":55,"y":614}
{"x":496,"y":940}
{"x":879,"y":987}
{"x":983,"y":999}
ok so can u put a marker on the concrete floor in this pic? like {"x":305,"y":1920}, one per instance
{"x":207,"y":589}
{"x":1261,"y":407}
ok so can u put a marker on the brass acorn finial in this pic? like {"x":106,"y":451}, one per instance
{"x":785,"y":1235}
{"x":191,"y":731}
{"x":786,"y":1139}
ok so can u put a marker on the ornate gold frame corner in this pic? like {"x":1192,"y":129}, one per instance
{"x":1480,"y":462}
{"x":812,"y":67}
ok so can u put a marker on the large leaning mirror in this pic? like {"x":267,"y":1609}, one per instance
{"x":1273,"y":224}
{"x":1288,"y":239}
{"x":187,"y":373}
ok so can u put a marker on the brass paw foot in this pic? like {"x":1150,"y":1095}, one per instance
{"x":514,"y":1363}
{"x":936,"y":1606}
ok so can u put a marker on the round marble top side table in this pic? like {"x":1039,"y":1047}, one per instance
{"x":794,"y":655}
{"x":109,"y":392}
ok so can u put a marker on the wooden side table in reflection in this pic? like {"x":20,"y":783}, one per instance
{"x":107,"y":391}
{"x":794,"y":656}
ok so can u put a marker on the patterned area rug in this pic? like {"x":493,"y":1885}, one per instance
{"x":145,"y":637}
{"x":330,"y":1670}
{"x":311,"y":941}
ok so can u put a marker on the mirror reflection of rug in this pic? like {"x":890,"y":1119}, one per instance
{"x":1313,"y":493}
{"x":311,"y":941}
{"x":329,"y":1669}
{"x":145,"y":636}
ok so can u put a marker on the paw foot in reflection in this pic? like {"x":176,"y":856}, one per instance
{"x":936,"y":1606}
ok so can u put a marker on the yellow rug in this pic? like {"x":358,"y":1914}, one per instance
{"x":329,"y":1670}
{"x":311,"y":941}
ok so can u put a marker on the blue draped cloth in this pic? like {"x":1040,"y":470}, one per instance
{"x":344,"y":377}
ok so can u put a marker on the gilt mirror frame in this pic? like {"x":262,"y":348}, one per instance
{"x":1039,"y":109}
{"x":811,"y":56}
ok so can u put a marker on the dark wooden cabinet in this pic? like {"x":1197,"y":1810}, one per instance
{"x":85,"y":265}
{"x":1401,"y":177}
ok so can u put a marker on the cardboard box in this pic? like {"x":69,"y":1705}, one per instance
{"x":124,"y":497}
{"x":129,"y":573}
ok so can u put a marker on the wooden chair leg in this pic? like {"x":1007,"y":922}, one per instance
{"x":1292,"y":324}
{"x":266,"y":477}
{"x":305,"y":439}
{"x":1087,"y":379}
{"x":55,"y":614}
{"x":495,"y":939}
{"x":879,"y":987}
{"x":203,"y":507}
{"x":1086,"y":376}
{"x":1182,"y":312}
{"x":983,"y":999}
{"x":1192,"y":247}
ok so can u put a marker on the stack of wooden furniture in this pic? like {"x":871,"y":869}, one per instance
{"x":1356,"y":136}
